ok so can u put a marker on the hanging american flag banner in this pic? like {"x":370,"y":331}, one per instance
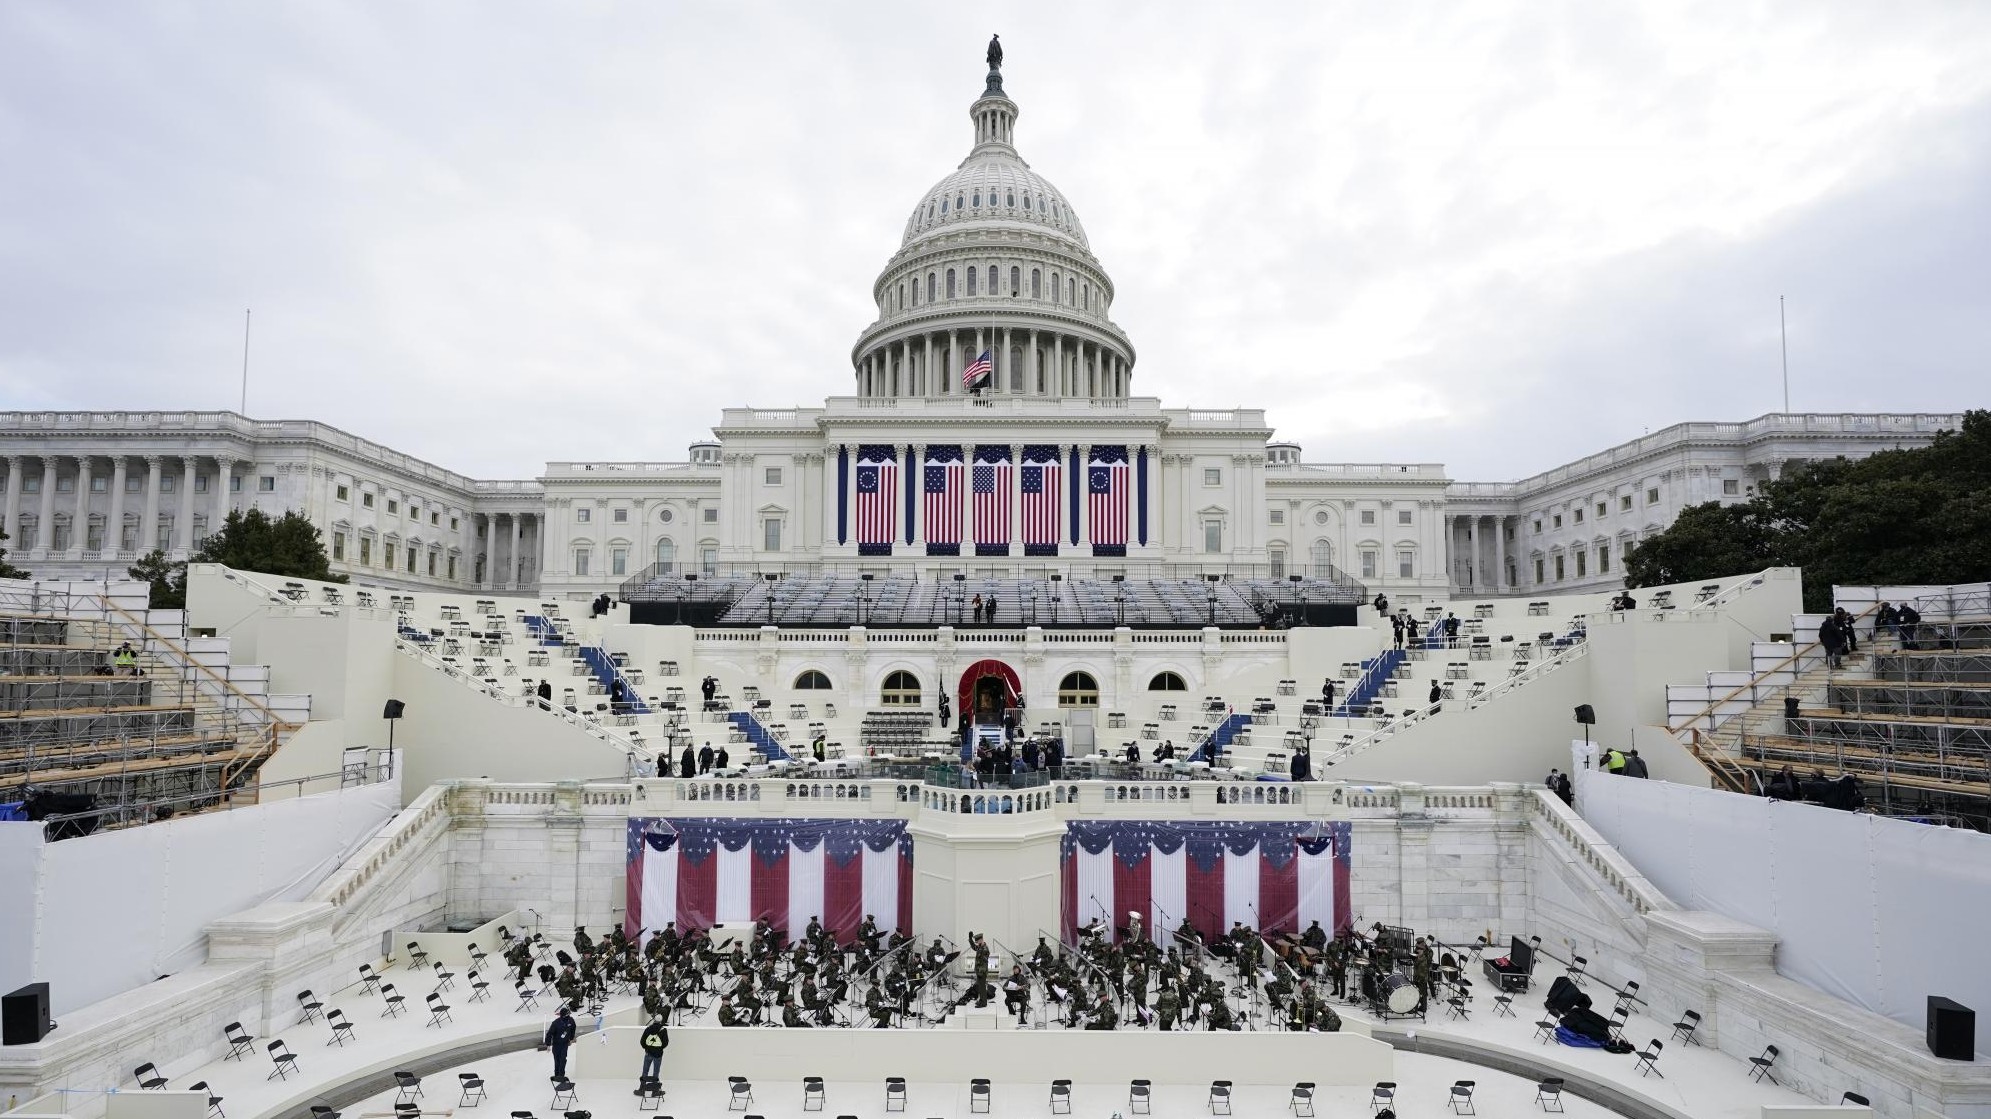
{"x":942,"y":482}
{"x":1041,"y":474}
{"x":1273,"y":876}
{"x":1106,"y":477}
{"x":991,"y":501}
{"x":700,"y":872}
{"x":877,"y":489}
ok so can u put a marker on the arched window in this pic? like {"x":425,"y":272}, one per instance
{"x":1085,"y":300}
{"x":1055,"y":289}
{"x":1015,"y":281}
{"x":1078,"y":689}
{"x":812,"y":681}
{"x":994,"y":284}
{"x":978,"y":198}
{"x":901,"y":690}
{"x":1036,"y":280}
{"x":1167,"y":682}
{"x":666,"y":555}
{"x":1323,"y":559}
{"x":1010,"y":199}
{"x":931,"y":279}
{"x":1071,"y":291}
{"x":902,"y":297}
{"x":943,"y":207}
{"x":950,"y":283}
{"x":1026,"y":202}
{"x":929,"y":211}
{"x":960,"y":202}
{"x":973,"y":274}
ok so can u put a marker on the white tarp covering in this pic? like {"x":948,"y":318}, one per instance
{"x":1879,"y":912}
{"x":116,"y":910}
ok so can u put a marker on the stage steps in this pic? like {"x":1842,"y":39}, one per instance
{"x":770,"y":750}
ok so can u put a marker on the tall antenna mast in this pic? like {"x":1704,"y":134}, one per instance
{"x":1784,"y":343}
{"x":245,"y":361}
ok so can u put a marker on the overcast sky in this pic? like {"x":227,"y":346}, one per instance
{"x":1494,"y":235}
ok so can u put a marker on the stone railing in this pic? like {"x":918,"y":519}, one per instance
{"x":424,"y":819}
{"x":1562,"y":822}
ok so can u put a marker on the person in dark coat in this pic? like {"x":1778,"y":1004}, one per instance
{"x":687,"y":765}
{"x":1382,"y":604}
{"x":1327,"y":696}
{"x":721,"y":758}
{"x":1437,"y":694}
{"x":1302,"y":765}
{"x":545,"y":694}
{"x":1833,"y":639}
{"x":704,"y":758}
{"x":559,"y":1036}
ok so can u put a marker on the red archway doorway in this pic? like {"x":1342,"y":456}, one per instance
{"x":987,"y":689}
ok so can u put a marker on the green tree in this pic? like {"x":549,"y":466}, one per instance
{"x":1710,"y":541}
{"x":252,"y":540}
{"x":1908,"y":516}
{"x":8,"y":570}
{"x":169,"y":580}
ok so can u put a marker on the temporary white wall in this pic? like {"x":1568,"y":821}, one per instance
{"x":1878,"y":912}
{"x":115,"y":910}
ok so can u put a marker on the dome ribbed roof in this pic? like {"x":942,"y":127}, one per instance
{"x":995,"y":188}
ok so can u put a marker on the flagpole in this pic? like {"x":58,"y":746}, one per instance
{"x":1784,"y":345}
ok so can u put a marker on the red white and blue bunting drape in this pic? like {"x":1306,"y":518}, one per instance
{"x":1275,"y":876}
{"x":702,"y":872}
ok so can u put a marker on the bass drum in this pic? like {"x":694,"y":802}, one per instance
{"x":1399,"y":993}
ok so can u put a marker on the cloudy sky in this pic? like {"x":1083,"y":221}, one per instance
{"x":1494,"y":235}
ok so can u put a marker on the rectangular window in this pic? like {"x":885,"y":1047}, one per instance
{"x":1368,"y":516}
{"x":387,"y":555}
{"x":1652,"y":496}
{"x":1578,"y":514}
{"x":1625,"y":504}
{"x":770,"y":534}
{"x":582,"y":514}
{"x":452,"y":524}
{"x":1368,"y":563}
{"x":1278,"y":516}
{"x":366,"y":500}
{"x":618,"y":561}
{"x":393,"y":506}
{"x":31,"y":484}
{"x":93,"y":536}
{"x":1278,"y":559}
{"x":61,"y":540}
{"x":266,"y":484}
{"x":1602,"y":509}
{"x":1213,"y":476}
{"x":708,"y":556}
{"x":1403,"y":516}
{"x":619,"y":516}
{"x":1603,"y":558}
{"x":66,"y":484}
{"x":1538,"y":572}
{"x":163,"y":538}
{"x":100,"y":484}
{"x":1557,"y":522}
{"x":773,"y":475}
{"x":234,"y":483}
{"x":1538,"y":528}
{"x":1558,"y":569}
{"x":1406,"y":564}
{"x":580,"y":561}
{"x":452,"y":567}
{"x":338,"y":545}
{"x":1213,"y":537}
{"x":1582,"y":564}
{"x":435,"y":518}
{"x":343,"y":493}
{"x":200,"y":484}
{"x":366,"y":551}
{"x":128,"y":538}
{"x":411,"y":561}
{"x":712,"y":515}
{"x":432,"y":564}
{"x":1730,"y":487}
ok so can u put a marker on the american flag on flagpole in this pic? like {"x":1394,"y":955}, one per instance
{"x":991,"y":499}
{"x":877,"y":485}
{"x":943,"y":476}
{"x":1106,"y":477}
{"x":976,"y":370}
{"x":1040,"y":485}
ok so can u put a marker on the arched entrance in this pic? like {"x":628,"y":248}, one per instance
{"x":987,"y":689}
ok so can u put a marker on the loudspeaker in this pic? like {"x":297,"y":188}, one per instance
{"x":1586,"y":714}
{"x":1952,"y":1029}
{"x":393,"y":709}
{"x":24,"y":1015}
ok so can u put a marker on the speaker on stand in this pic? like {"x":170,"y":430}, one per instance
{"x":1586,"y":715}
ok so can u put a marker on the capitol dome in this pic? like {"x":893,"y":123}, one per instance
{"x":993,"y":260}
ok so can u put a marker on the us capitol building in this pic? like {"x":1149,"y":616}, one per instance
{"x":1049,"y":463}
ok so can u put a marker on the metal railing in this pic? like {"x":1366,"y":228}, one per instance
{"x":150,"y":810}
